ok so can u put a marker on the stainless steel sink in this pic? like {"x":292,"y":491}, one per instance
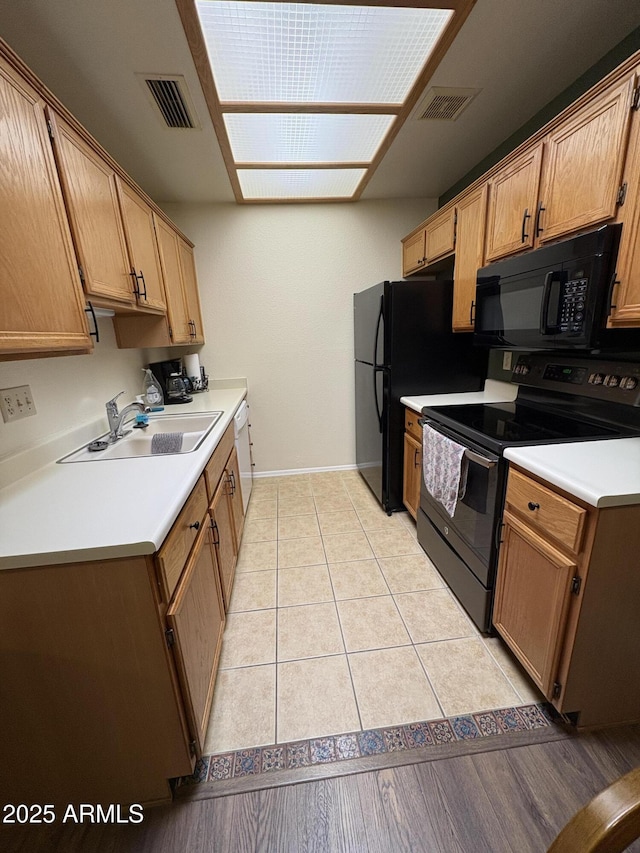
{"x":137,"y":443}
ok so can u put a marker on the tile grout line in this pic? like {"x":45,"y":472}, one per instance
{"x":277,"y":664}
{"x":346,"y":653}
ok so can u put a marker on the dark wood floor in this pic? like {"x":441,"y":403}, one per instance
{"x":505,"y":801}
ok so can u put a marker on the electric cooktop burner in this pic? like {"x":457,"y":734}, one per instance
{"x":560,"y":399}
{"x":509,"y":423}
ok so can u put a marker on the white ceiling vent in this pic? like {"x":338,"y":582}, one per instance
{"x":170,"y":96}
{"x":442,"y":104}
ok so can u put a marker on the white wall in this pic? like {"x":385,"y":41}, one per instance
{"x":276,"y":285}
{"x":70,"y":391}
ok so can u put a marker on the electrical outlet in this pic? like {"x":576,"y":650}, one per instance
{"x":506,"y":360}
{"x":16,"y":403}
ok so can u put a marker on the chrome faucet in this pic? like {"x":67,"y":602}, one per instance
{"x":116,"y":419}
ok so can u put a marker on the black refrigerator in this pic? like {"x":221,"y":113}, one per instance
{"x":404,"y":346}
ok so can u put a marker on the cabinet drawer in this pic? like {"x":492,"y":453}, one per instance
{"x":175,"y":549}
{"x":215,"y":465}
{"x":546,"y":511}
{"x":411,"y":424}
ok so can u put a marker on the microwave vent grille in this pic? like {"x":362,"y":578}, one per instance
{"x":444,"y":104}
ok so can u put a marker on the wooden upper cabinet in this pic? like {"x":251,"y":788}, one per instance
{"x":584,"y":159}
{"x":169,"y":245}
{"x":441,"y":235}
{"x":625,"y":308}
{"x":471,"y":210}
{"x":190,"y":285}
{"x":41,"y":300}
{"x":143,"y":248}
{"x":414,"y":252}
{"x":512,"y":205}
{"x":91,"y":196}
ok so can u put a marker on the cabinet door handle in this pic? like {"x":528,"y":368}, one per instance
{"x":538,"y":230}
{"x":232,"y":477}
{"x":141,"y":294}
{"x":533,"y":506}
{"x":216,"y":532}
{"x":526,"y":216}
{"x":471,"y":317}
{"x":415,"y":457}
{"x":195,"y":525}
{"x":89,"y":310}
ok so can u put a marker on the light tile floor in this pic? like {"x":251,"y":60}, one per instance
{"x":339,"y":622}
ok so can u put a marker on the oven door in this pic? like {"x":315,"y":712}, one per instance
{"x":472,"y":530}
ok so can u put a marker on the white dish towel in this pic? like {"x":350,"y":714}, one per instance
{"x":444,"y":468}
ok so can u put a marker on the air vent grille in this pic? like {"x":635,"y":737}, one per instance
{"x":444,"y":104}
{"x":168,"y":96}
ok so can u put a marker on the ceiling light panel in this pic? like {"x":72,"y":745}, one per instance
{"x":281,"y":184}
{"x":305,"y":138}
{"x":307,"y":53}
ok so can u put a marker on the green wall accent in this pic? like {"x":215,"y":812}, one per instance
{"x":608,"y":62}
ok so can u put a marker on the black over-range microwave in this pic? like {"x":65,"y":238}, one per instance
{"x":556,"y":297}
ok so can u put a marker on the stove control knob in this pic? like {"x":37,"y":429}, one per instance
{"x":611,"y":380}
{"x":628,"y":383}
{"x":596,"y":379}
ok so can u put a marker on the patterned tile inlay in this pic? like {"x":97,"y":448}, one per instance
{"x":326,"y":750}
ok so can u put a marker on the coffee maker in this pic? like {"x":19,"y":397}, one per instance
{"x":174,"y":385}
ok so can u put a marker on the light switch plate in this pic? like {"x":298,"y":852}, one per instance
{"x":506,"y":360}
{"x":16,"y":403}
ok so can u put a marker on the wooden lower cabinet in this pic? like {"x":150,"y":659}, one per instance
{"x":532,"y":600}
{"x":412,"y":474}
{"x":196,"y":617}
{"x":566,"y":599}
{"x":225,"y":508}
{"x":224,"y":536}
{"x":91,"y":708}
{"x":109,"y":666}
{"x":237,"y":507}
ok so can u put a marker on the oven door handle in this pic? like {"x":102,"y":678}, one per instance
{"x":471,"y":455}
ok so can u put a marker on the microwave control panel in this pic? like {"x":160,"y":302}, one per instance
{"x":614,"y":381}
{"x":571,"y":308}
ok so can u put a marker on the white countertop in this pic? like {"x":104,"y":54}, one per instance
{"x":493,"y":392}
{"x":601,"y":473}
{"x":106,"y":509}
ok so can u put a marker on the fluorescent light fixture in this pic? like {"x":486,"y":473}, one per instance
{"x":301,"y":88}
{"x":308,"y":53}
{"x":282,"y":184}
{"x":305,"y":138}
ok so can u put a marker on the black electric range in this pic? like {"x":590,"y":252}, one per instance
{"x":560,"y":399}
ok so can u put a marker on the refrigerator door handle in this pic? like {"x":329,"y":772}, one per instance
{"x":375,"y":340}
{"x":377,"y":370}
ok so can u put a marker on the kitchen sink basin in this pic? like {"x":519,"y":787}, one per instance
{"x":137,"y":442}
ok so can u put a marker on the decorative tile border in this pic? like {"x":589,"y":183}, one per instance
{"x":327,"y":750}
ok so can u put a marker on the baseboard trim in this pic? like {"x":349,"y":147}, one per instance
{"x":290,"y":472}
